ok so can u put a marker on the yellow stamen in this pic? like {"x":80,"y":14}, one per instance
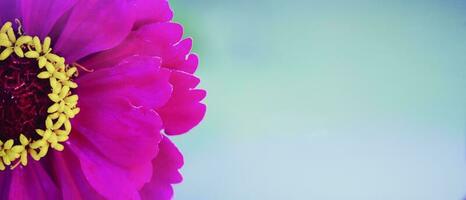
{"x":5,"y":27}
{"x":5,"y":53}
{"x":64,"y":107}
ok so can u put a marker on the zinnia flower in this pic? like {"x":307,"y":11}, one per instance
{"x":90,"y":91}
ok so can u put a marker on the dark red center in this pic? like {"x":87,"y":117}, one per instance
{"x":23,"y":98}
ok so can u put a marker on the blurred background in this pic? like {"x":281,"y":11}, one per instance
{"x":327,"y":99}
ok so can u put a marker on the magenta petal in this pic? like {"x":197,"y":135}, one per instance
{"x":150,"y":11}
{"x":40,"y":16}
{"x":110,"y":180}
{"x":184,"y":110}
{"x":138,"y":80}
{"x":150,"y":40}
{"x":190,"y":65}
{"x":165,"y":167}
{"x":116,"y":134}
{"x":115,"y":145}
{"x":177,"y":55}
{"x":69,"y":176}
{"x":124,"y":96}
{"x":32,"y":182}
{"x":94,"y":26}
{"x":160,"y":39}
{"x":11,"y":12}
{"x":5,"y":182}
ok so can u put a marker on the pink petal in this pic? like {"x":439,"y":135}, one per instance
{"x":138,"y":80}
{"x":93,"y":26}
{"x":32,"y":182}
{"x":110,"y":180}
{"x":65,"y":168}
{"x":115,"y":145}
{"x":118,"y":158}
{"x":184,"y":110}
{"x":159,"y":39}
{"x":165,"y":167}
{"x":150,"y":11}
{"x":5,"y":181}
{"x":175,"y":56}
{"x":125,"y":97}
{"x":150,"y":40}
{"x":40,"y":16}
{"x":11,"y":13}
{"x":190,"y":65}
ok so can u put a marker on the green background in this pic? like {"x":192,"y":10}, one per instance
{"x":327,"y":100}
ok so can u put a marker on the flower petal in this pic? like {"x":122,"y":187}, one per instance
{"x":123,"y":97}
{"x":110,"y":180}
{"x":175,"y":56}
{"x":138,"y":80}
{"x":89,"y":28}
{"x":5,"y":182}
{"x":165,"y":167}
{"x":32,"y":182}
{"x":159,"y":39}
{"x":150,"y":11}
{"x":116,"y":159}
{"x":40,"y":16}
{"x":184,"y":110}
{"x":11,"y":12}
{"x":67,"y":172}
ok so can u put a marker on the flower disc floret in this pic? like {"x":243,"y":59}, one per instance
{"x":18,"y":50}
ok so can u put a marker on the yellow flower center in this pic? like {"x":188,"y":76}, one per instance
{"x":15,"y":47}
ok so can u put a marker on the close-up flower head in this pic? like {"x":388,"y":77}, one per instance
{"x":91,"y":92}
{"x":307,"y":99}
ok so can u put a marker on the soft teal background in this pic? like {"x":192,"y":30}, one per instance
{"x":325,"y":99}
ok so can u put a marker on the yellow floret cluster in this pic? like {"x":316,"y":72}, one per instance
{"x":64,"y":107}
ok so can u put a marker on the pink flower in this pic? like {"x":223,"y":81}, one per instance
{"x":136,"y":88}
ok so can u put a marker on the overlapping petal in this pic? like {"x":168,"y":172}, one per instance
{"x":10,"y":10}
{"x":143,"y":83}
{"x":150,"y":11}
{"x":5,"y":183}
{"x":109,"y":179}
{"x":32,"y":182}
{"x":93,"y":26}
{"x":39,"y":16}
{"x":138,"y":79}
{"x":67,"y":173}
{"x":166,"y":166}
{"x":119,"y":156}
{"x":158,"y":39}
{"x":184,"y":109}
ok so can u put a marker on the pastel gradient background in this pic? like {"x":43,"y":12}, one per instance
{"x":327,"y":99}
